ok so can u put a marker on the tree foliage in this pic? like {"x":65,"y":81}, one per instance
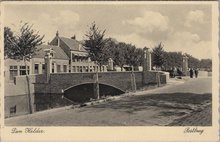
{"x":23,"y":45}
{"x":119,"y":56}
{"x":158,"y":56}
{"x":101,"y":49}
{"x":193,"y":62}
{"x":125,"y":54}
{"x":8,"y":37}
{"x":95,"y":44}
{"x":172,"y":59}
{"x":206,"y":63}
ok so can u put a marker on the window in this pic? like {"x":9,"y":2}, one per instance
{"x":52,"y":67}
{"x":84,"y":69}
{"x":58,"y":68}
{"x":73,"y":58}
{"x":64,"y":68}
{"x":74,"y":69}
{"x":80,"y":69}
{"x":94,"y":68}
{"x":87,"y":69}
{"x":23,"y":70}
{"x":13,"y":110}
{"x":43,"y":68}
{"x":77,"y":69}
{"x":36,"y":68}
{"x":13,"y":72}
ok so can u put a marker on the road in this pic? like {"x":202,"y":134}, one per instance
{"x":177,"y":103}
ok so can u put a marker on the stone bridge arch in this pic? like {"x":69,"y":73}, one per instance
{"x":85,"y":91}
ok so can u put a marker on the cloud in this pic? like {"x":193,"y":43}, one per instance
{"x":194,"y":17}
{"x":134,"y":39}
{"x":189,"y":43}
{"x":185,"y":36}
{"x":65,"y":21}
{"x":150,"y":21}
{"x":66,"y":17}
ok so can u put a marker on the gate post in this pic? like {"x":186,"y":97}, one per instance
{"x":185,"y":64}
{"x":133,"y":81}
{"x":48,"y":63}
{"x":146,"y":64}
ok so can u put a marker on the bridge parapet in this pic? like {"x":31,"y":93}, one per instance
{"x":63,"y":81}
{"x":121,"y":80}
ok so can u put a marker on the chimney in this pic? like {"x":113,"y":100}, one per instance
{"x":58,"y":39}
{"x":57,"y":34}
{"x":73,"y":37}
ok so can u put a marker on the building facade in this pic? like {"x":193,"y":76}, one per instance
{"x":78,"y":56}
{"x":60,"y":63}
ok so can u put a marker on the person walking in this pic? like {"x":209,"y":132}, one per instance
{"x":191,"y":73}
{"x":196,"y":73}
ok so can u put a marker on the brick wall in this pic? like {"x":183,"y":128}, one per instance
{"x":20,"y":103}
{"x":49,"y":95}
{"x":63,"y":81}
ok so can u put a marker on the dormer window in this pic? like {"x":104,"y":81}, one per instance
{"x":80,"y":46}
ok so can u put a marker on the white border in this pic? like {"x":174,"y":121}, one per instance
{"x":142,"y":133}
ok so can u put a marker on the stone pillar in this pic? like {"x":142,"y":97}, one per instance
{"x":48,"y":63}
{"x":146,"y":65}
{"x":185,"y":64}
{"x":110,"y":64}
{"x":147,"y":60}
{"x":133,"y":80}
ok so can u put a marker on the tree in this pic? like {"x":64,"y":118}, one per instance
{"x":206,"y":64}
{"x":95,"y":44}
{"x":22,"y":47}
{"x":139,"y":57}
{"x":172,"y":59}
{"x":8,"y":45}
{"x":192,"y":61}
{"x":120,"y":55}
{"x":158,"y":56}
{"x":110,"y":48}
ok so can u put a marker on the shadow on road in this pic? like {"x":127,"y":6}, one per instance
{"x":179,"y":105}
{"x":144,"y":101}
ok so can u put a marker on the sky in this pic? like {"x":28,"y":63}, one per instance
{"x":186,"y":27}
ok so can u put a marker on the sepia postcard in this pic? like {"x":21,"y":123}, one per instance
{"x":109,"y":71}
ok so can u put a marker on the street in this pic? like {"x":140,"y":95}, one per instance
{"x":181,"y":103}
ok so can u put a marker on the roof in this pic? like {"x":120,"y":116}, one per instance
{"x":58,"y":52}
{"x":72,"y":44}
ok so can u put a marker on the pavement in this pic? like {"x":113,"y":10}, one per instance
{"x":198,"y":118}
{"x":179,"y":103}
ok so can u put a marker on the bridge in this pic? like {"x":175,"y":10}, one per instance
{"x":67,"y":88}
{"x":59,"y":89}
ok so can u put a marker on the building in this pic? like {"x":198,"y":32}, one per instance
{"x":78,"y":56}
{"x":68,"y":56}
{"x":60,"y":63}
{"x":16,"y":101}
